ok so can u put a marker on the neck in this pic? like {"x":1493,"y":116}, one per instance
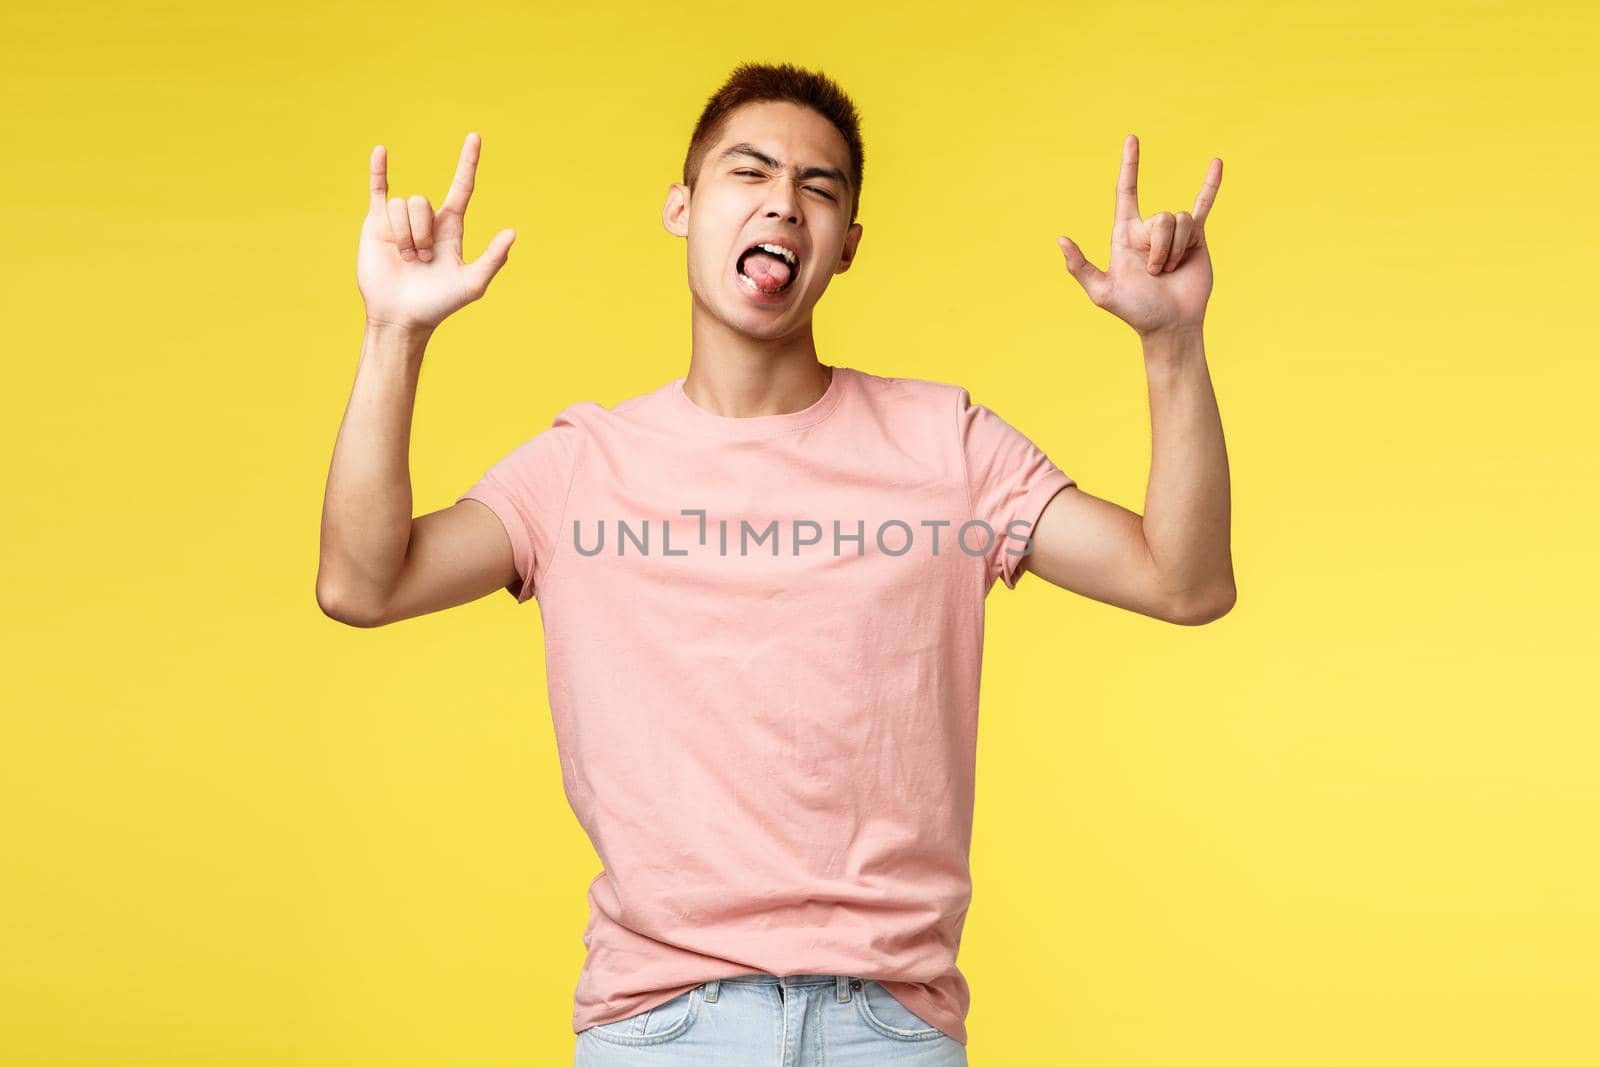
{"x":739,"y":376}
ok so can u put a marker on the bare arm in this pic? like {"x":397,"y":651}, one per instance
{"x":378,"y":564}
{"x":1187,"y":505}
{"x":1174,"y":562}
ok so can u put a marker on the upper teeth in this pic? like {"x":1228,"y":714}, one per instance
{"x":778,"y":250}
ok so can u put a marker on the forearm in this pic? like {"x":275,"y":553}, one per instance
{"x":1187,"y":507}
{"x":366,"y":508}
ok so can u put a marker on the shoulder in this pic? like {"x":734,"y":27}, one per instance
{"x":591,"y":418}
{"x":929,"y":397}
{"x":932,"y":411}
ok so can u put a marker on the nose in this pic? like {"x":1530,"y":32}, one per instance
{"x":784,"y":203}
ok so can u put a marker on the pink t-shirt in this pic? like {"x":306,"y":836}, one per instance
{"x":763,"y":639}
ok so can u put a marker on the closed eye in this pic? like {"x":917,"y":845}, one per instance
{"x":813,"y":188}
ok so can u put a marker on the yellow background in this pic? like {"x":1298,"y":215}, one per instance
{"x":1354,"y":822}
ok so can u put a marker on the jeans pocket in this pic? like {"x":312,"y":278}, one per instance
{"x":654,"y":1026}
{"x":880,"y":1011}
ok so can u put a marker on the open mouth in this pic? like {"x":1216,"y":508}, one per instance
{"x":768,"y":268}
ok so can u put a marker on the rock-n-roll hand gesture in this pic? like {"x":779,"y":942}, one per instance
{"x":409,"y":266}
{"x":1160,"y":273}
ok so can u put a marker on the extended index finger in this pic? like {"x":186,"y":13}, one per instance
{"x":1208,"y":192}
{"x":378,"y":180}
{"x":466,"y":173}
{"x":1128,"y":181}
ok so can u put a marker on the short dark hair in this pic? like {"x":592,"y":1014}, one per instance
{"x":752,"y":83}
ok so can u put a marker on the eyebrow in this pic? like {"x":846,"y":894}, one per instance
{"x":746,"y":149}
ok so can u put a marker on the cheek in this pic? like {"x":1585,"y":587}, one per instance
{"x":713,"y":241}
{"x":706,"y":250}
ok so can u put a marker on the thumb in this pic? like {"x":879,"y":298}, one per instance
{"x":486,"y":266}
{"x":1092,"y":278}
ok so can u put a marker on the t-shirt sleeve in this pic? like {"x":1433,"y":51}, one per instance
{"x":1009,"y":481}
{"x":527,"y":490}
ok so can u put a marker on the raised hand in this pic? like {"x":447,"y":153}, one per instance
{"x":1160,"y":272}
{"x":408,"y":265}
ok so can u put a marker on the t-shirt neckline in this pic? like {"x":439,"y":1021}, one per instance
{"x":762,"y":425}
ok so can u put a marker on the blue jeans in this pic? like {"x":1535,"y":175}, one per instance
{"x":761,"y":1020}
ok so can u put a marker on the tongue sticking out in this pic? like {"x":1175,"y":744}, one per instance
{"x":769,"y":272}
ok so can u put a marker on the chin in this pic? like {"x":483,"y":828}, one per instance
{"x":764,"y":326}
{"x":753,"y":320}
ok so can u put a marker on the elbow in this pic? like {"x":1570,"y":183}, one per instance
{"x":339,"y":606}
{"x":1201,"y":608}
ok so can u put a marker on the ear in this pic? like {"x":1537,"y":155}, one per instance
{"x":852,"y":238}
{"x":675,"y":213}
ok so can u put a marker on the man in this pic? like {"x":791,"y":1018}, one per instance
{"x":762,"y":587}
